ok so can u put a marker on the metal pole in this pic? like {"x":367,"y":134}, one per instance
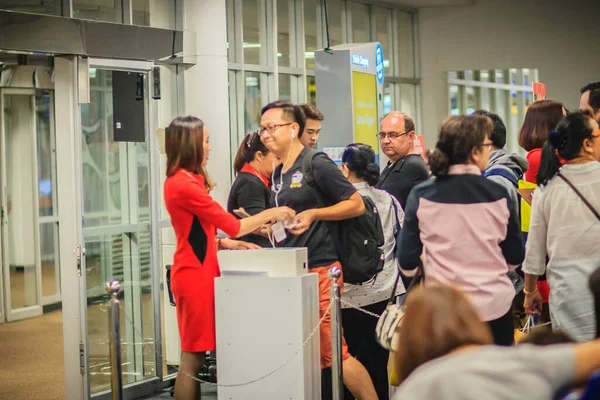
{"x":114,"y":337}
{"x":336,"y":335}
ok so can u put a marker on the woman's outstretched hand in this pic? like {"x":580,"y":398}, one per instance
{"x":230,"y":244}
{"x":283,"y":214}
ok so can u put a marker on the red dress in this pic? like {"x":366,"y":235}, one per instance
{"x":195,"y":217}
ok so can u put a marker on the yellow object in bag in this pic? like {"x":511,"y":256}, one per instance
{"x":525,"y":206}
{"x":521,"y":334}
{"x":393,"y":377}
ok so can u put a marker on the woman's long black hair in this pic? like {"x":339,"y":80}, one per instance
{"x":565,"y":141}
{"x":360,"y":160}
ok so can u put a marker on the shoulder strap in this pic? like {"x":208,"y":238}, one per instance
{"x":395,"y":214}
{"x":503,"y":173}
{"x":416,"y":280}
{"x":307,"y":169}
{"x":585,"y":201}
{"x":391,"y":300}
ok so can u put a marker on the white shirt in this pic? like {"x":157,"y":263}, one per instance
{"x":565,"y":229}
{"x":381,"y":288}
{"x":493,"y":373}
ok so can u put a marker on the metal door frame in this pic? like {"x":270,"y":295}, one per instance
{"x":36,"y":310}
{"x":154,"y":384}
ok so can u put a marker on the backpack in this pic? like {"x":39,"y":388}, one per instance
{"x":503,"y":173}
{"x":357,"y":240}
{"x":516,"y":276}
{"x":523,"y":209}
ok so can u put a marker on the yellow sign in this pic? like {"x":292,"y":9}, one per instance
{"x":364,"y":87}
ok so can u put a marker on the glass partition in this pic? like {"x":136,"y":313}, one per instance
{"x":360,"y":23}
{"x":20,"y":258}
{"x":154,"y":13}
{"x":406,"y":44}
{"x":254,"y":32}
{"x":99,"y":10}
{"x":117,"y":223}
{"x":47,"y":189}
{"x":48,"y":7}
{"x":507,"y":92}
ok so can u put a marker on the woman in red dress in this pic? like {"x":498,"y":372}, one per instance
{"x":195,"y":218}
{"x":542,"y":116}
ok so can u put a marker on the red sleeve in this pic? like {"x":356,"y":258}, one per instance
{"x":533,"y":157}
{"x":193,"y":197}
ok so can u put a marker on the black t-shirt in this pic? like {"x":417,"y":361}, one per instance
{"x":299,"y":196}
{"x":250,"y":193}
{"x":399,"y":178}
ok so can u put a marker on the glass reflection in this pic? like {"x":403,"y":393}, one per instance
{"x":99,"y":10}
{"x":116,"y":196}
{"x":253,"y":101}
{"x":47,"y":7}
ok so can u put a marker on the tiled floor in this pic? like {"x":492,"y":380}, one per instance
{"x":30,"y":346}
{"x":208,"y":393}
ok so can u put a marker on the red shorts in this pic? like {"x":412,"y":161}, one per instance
{"x":324,"y":300}
{"x":195,"y":304}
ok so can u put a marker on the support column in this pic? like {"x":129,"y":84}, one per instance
{"x":206,"y":87}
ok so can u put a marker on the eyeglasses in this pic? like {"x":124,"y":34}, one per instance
{"x":271,"y":128}
{"x":488,"y":145}
{"x":391,"y":135}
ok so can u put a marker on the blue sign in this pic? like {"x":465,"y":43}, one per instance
{"x":379,"y":63}
{"x":359,"y":60}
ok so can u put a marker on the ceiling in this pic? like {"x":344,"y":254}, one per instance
{"x":432,"y":3}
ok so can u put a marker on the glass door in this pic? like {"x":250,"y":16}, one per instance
{"x":21,"y":266}
{"x":48,"y":197}
{"x":117,"y":224}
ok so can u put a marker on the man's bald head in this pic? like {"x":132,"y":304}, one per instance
{"x":397,"y":135}
{"x":409,"y":124}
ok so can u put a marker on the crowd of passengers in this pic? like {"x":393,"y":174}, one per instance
{"x":476,"y":241}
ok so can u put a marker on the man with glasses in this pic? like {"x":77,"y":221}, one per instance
{"x":406,"y":167}
{"x":504,"y":168}
{"x":330,"y":198}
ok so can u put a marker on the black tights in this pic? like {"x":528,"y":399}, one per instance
{"x":359,"y":331}
{"x":503,"y":329}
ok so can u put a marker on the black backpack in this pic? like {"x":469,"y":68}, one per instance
{"x":358,"y":240}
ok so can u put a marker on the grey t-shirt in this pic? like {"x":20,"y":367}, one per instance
{"x":493,"y":373}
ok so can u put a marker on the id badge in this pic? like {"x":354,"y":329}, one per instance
{"x":279,"y":231}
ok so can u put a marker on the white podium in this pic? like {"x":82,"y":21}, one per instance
{"x":266,"y":307}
